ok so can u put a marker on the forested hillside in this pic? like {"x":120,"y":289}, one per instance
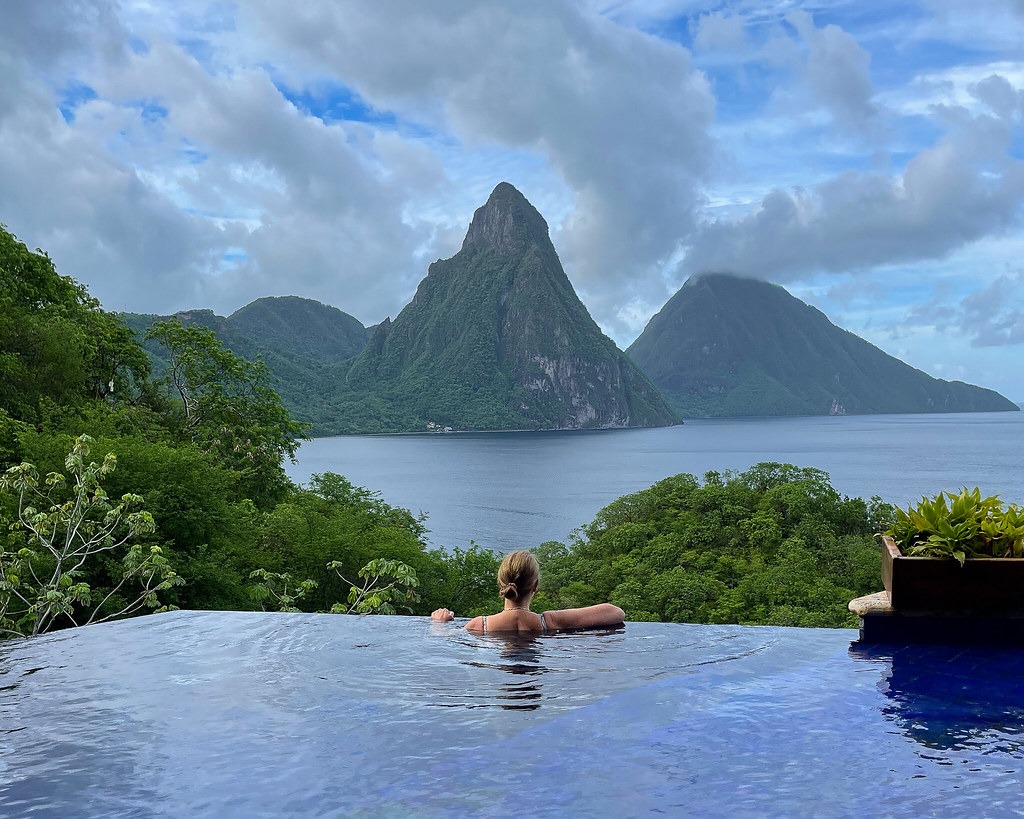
{"x":774,"y":545}
{"x":726,"y":346}
{"x":178,"y":495}
{"x":304,"y":344}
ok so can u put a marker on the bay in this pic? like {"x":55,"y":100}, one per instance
{"x":510,"y":490}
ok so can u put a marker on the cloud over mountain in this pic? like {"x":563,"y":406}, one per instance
{"x":201,"y":153}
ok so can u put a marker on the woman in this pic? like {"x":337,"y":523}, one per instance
{"x":518,"y":579}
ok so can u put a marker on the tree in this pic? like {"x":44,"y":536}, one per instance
{"x":462,"y":580}
{"x":58,"y":533}
{"x":117,"y":366}
{"x":228,"y":406}
{"x":385,"y":583}
{"x":775,"y":544}
{"x":279,"y":589}
{"x":56,"y":344}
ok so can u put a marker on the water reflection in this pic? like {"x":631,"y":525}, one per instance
{"x":953,"y":698}
{"x":519,"y":655}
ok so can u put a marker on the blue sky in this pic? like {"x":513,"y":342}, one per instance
{"x":867,"y":156}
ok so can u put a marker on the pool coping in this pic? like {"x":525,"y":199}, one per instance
{"x":960,"y":624}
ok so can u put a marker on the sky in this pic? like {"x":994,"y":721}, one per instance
{"x":869,"y":157}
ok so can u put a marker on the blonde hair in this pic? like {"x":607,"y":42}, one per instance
{"x":518,"y":575}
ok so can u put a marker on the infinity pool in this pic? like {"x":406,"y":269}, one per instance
{"x":236,"y":714}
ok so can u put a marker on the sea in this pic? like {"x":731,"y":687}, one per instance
{"x":512,"y":490}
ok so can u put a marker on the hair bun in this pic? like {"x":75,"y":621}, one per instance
{"x":510,"y":590}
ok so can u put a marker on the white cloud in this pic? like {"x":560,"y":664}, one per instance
{"x":966,"y":186}
{"x":719,"y":31}
{"x":992,"y":316}
{"x":837,"y":72}
{"x":620,"y":116}
{"x":315,"y":209}
{"x":993,"y":24}
{"x":851,"y":139}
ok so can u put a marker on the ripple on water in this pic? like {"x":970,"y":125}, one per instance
{"x":553,"y":673}
{"x":266,"y":714}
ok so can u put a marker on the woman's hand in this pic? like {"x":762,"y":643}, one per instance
{"x":442,"y":614}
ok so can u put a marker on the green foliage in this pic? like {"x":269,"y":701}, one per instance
{"x":463,"y":580}
{"x":57,"y":346}
{"x":227,"y":406}
{"x":304,"y":344}
{"x":58,"y":532}
{"x":11,"y":432}
{"x":206,"y":534}
{"x":278,"y":589}
{"x":967,"y":526}
{"x":385,"y":584}
{"x":775,"y":544}
{"x":331,"y":520}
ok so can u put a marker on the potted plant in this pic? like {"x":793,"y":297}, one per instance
{"x":955,"y":552}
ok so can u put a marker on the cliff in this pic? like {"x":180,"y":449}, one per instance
{"x":496,"y":338}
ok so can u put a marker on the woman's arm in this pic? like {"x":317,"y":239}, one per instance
{"x":603,"y":614}
{"x":445,"y":615}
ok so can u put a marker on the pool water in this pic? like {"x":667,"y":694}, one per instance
{"x":251,"y":714}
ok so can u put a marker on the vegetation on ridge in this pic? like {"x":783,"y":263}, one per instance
{"x":773,"y":545}
{"x":304,"y":345}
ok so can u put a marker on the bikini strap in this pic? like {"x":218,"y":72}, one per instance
{"x":543,"y":625}
{"x":485,"y":623}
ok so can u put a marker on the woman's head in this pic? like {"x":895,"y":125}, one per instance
{"x":518,"y":575}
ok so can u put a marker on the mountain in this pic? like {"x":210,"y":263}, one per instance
{"x":299,"y":328}
{"x":304,"y":344}
{"x":496,"y":338}
{"x":726,"y":346}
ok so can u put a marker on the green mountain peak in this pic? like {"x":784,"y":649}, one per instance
{"x":496,"y":338}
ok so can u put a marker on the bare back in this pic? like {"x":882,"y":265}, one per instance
{"x":523,"y":621}
{"x":517,"y":621}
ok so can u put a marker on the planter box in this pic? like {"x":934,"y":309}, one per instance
{"x":988,"y":584}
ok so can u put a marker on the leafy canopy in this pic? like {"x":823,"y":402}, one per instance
{"x":774,"y":545}
{"x":63,"y":525}
{"x":227,"y":405}
{"x":57,"y":347}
